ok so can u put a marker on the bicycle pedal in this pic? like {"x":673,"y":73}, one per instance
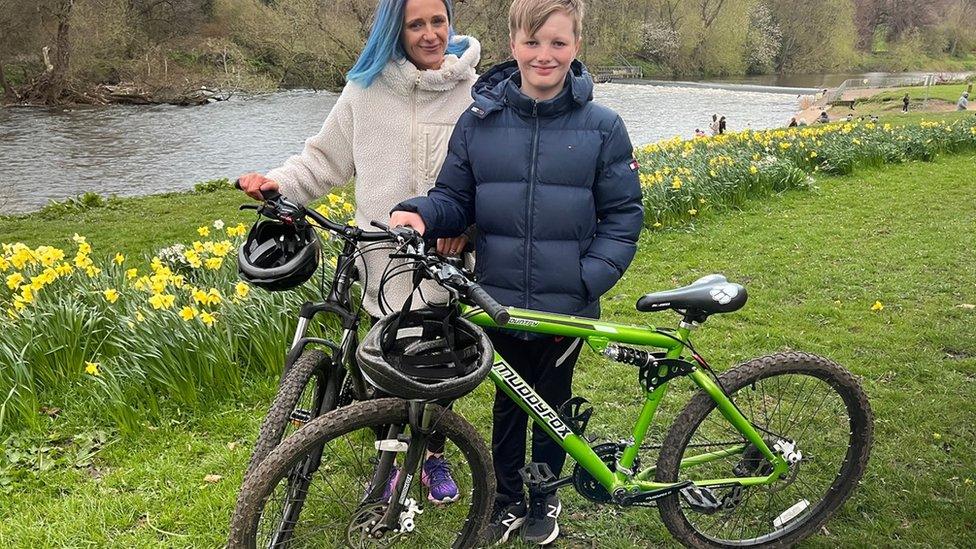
{"x":701,"y":499}
{"x":300,"y":417}
{"x":575,"y":416}
{"x":535,"y":475}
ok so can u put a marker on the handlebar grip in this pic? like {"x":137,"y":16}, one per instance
{"x":497,"y":313}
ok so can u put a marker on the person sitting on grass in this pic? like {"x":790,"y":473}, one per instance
{"x":550,"y":179}
{"x":963,"y":102}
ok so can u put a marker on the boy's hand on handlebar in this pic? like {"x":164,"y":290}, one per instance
{"x":253,"y":183}
{"x":451,"y":247}
{"x":407,"y":219}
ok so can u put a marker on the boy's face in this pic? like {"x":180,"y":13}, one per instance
{"x":544,"y":58}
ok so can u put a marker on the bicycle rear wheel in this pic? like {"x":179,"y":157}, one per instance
{"x":336,"y":502}
{"x":791,"y":398}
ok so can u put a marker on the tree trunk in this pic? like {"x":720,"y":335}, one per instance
{"x":9,"y":95}
{"x":56,"y":83}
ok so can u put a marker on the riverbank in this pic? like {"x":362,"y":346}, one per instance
{"x":811,"y":288}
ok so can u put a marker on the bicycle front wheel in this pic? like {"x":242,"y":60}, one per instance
{"x":811,"y":410}
{"x":317,"y":488}
{"x":310,"y":388}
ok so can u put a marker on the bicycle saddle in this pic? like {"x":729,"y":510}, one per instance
{"x":706,"y":296}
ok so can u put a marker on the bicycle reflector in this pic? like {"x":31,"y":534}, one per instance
{"x":278,"y":256}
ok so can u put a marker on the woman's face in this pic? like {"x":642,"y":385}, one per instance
{"x":424,"y":36}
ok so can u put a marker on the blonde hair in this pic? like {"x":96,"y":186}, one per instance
{"x":530,"y":15}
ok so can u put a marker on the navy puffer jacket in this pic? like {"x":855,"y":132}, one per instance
{"x":552,"y":186}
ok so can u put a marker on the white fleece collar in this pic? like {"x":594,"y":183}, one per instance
{"x":402,"y":75}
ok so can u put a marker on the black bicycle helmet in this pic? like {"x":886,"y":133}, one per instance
{"x":427,"y":354}
{"x":278,"y":256}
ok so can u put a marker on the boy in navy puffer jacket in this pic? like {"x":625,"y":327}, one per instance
{"x":549,"y":178}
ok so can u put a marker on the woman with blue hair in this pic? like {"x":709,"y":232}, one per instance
{"x":390,"y":128}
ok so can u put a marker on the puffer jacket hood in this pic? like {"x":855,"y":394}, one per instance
{"x":500,"y":86}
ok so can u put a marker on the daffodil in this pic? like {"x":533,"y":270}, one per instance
{"x":676,"y":183}
{"x":131,"y":273}
{"x":213,"y":297}
{"x":214,"y":263}
{"x":241,"y":290}
{"x":203,"y":231}
{"x":91,"y":368}
{"x":188,"y":313}
{"x":199,"y":296}
{"x":162,"y":301}
{"x":119,"y":259}
{"x":15,"y":280}
{"x":208,"y":318}
{"x":111,"y":295}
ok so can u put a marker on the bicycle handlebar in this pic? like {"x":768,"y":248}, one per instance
{"x":276,"y":206}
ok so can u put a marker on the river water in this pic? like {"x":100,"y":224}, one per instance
{"x":136,"y":150}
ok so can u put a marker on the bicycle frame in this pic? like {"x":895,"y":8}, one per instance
{"x":599,"y":335}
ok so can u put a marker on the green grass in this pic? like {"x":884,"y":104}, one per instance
{"x":945,"y":92}
{"x":814,"y":263}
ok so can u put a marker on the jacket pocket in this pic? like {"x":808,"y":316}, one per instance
{"x":433,"y":151}
{"x":598,"y":276}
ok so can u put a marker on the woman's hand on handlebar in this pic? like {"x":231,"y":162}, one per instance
{"x":253,"y":183}
{"x":408,"y":219}
{"x":451,"y":247}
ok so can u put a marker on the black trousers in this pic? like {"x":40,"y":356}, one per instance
{"x":547,"y":366}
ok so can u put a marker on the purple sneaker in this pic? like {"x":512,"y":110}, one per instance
{"x":390,"y":485}
{"x":436,"y":476}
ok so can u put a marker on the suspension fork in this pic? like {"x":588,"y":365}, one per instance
{"x":421,"y":425}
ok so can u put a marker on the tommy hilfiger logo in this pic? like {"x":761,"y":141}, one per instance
{"x":634,"y":166}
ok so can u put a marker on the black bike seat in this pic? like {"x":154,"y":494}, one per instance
{"x":706,"y":296}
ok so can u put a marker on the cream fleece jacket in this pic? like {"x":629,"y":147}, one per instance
{"x":392,"y":136}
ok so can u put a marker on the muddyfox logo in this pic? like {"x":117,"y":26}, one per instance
{"x":522,"y":322}
{"x":518,"y":385}
{"x":724,"y":294}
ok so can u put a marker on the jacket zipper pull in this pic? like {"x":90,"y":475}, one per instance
{"x":535,"y":107}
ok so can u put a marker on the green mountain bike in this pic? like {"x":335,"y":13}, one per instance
{"x":762,"y":456}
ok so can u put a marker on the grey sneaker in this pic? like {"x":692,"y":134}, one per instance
{"x":506,"y":519}
{"x":541,"y":526}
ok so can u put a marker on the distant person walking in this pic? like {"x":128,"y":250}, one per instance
{"x":721,"y":125}
{"x":963,"y":103}
{"x":904,"y":103}
{"x":714,"y":125}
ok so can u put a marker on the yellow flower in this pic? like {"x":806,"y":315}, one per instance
{"x":692,"y":211}
{"x":156,"y":264}
{"x":877,"y":306}
{"x":657,"y":224}
{"x":193,"y":258}
{"x":188,"y":313}
{"x":753,"y":169}
{"x":92,"y":271}
{"x":813,"y":154}
{"x":676,"y":183}
{"x":91,"y":368}
{"x":111,"y":295}
{"x":214,"y":263}
{"x":119,"y":258}
{"x":162,"y":301}
{"x":4,"y":264}
{"x":237,"y":230}
{"x":140,"y":317}
{"x":131,"y":273}
{"x":198,"y":246}
{"x":241,"y":289}
{"x":78,"y":239}
{"x":84,"y":248}
{"x":207,"y":318}
{"x":15,"y":280}
{"x":64,"y":269}
{"x":334,"y":199}
{"x":213,"y":297}
{"x":348,"y":207}
{"x":222,"y":248}
{"x":203,"y":231}
{"x":199,"y":296}
{"x":27,"y":294}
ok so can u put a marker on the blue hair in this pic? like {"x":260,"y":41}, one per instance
{"x":384,"y":44}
